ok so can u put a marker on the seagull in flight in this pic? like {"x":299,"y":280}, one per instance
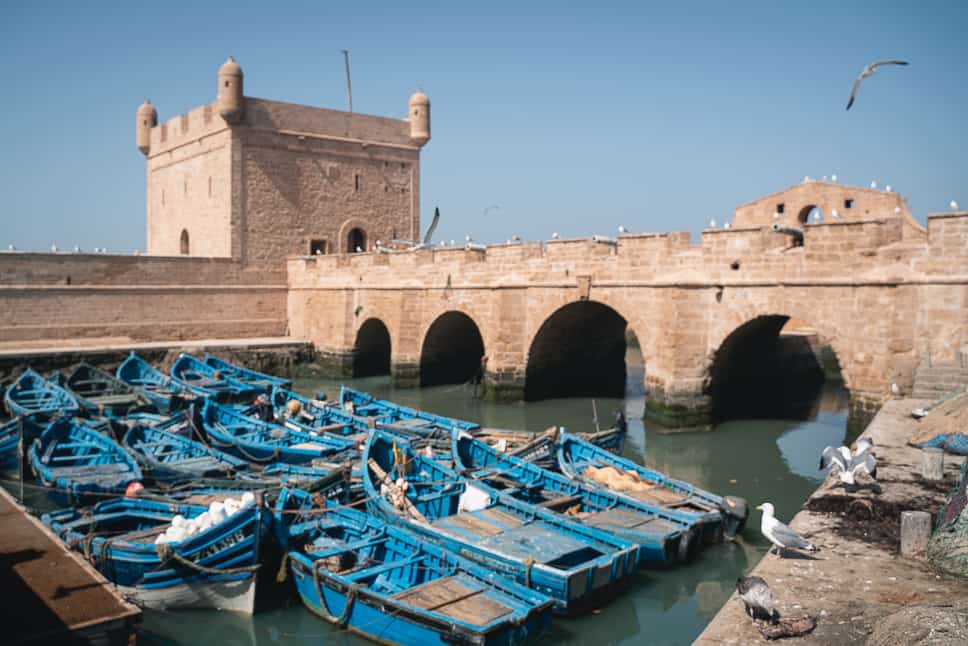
{"x":868,"y":71}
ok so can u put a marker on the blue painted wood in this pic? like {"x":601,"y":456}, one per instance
{"x":31,"y":394}
{"x":315,"y":414}
{"x":246,"y":375}
{"x":101,"y":393}
{"x":203,"y":379}
{"x":164,"y":392}
{"x":360,"y":573}
{"x":168,"y":457}
{"x":666,"y":536}
{"x":575,"y":580}
{"x":117,"y":537}
{"x":575,"y":455}
{"x":386,"y":412}
{"x":76,"y":462}
{"x":260,"y":442}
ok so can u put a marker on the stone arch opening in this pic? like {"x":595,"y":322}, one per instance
{"x":772,"y":367}
{"x":371,"y":352}
{"x":184,"y":245}
{"x":579,"y":351}
{"x":810,"y":213}
{"x":356,"y":240}
{"x":452,"y":351}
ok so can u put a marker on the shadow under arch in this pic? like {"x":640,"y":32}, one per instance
{"x":760,"y":373}
{"x":452,"y":350}
{"x":371,"y":352}
{"x":579,"y":351}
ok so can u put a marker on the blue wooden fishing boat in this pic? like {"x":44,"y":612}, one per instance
{"x":394,"y":586}
{"x":583,"y":461}
{"x":31,"y":394}
{"x":246,"y":375}
{"x":214,"y":568}
{"x":203,"y":379}
{"x":77,"y":462}
{"x":260,"y":442}
{"x":291,"y":406}
{"x":168,"y":457}
{"x":9,"y":448}
{"x":665,"y":536}
{"x":100,"y":393}
{"x":386,"y":412}
{"x":164,"y":392}
{"x":578,"y":566}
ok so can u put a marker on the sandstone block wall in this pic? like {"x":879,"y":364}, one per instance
{"x":60,"y":298}
{"x":875,"y":295}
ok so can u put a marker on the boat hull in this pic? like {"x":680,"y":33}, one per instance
{"x":234,"y":596}
{"x":369,"y":617}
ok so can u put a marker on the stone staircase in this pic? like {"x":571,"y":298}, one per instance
{"x":934,"y":381}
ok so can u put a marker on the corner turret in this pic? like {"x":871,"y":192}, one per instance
{"x":146,"y":119}
{"x":419,"y":116}
{"x":230,"y":91}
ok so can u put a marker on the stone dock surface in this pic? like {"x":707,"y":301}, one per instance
{"x":858,"y":587}
{"x":50,"y":594}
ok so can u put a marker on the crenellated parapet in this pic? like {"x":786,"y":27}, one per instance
{"x":882,"y":301}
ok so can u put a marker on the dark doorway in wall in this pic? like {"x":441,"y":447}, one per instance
{"x":318,"y":247}
{"x":579,"y":351}
{"x":184,"y":244}
{"x":760,"y":372}
{"x":356,"y":240}
{"x":371,"y":354}
{"x":452,"y":351}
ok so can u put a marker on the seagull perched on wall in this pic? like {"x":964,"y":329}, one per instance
{"x":953,"y":205}
{"x":849,"y":464}
{"x":758,"y":599}
{"x":782,"y":536}
{"x":868,"y":71}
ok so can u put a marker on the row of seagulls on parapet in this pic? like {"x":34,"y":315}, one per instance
{"x":868,"y":71}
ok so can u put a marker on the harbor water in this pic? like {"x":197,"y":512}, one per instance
{"x":760,"y":460}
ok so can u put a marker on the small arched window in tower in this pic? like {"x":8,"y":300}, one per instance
{"x":356,"y":241}
{"x":184,"y":242}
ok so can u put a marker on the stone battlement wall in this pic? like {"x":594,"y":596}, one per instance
{"x":882,"y":301}
{"x":60,"y":297}
{"x":861,"y":250}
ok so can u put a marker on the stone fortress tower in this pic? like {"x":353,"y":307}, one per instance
{"x":258,"y":180}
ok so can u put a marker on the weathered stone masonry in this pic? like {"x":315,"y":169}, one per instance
{"x":882,"y":294}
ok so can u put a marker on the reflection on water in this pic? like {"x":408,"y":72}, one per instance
{"x":758,"y":460}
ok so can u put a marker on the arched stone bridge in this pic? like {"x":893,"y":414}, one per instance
{"x":551,"y":318}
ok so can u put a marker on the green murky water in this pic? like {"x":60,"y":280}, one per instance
{"x":759,"y":460}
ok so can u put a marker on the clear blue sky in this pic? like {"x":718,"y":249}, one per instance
{"x":573,"y":120}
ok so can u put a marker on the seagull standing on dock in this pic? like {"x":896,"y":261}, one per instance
{"x":758,"y":599}
{"x":868,"y":71}
{"x":849,"y":465}
{"x":782,"y":536}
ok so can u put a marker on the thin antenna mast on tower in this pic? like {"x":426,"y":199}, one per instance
{"x":349,"y":88}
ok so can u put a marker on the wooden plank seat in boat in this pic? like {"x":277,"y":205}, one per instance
{"x":453,"y":597}
{"x":383,"y":567}
{"x":561,"y":503}
{"x":112,"y":400}
{"x":501,"y":517}
{"x":535,"y":540}
{"x":467,"y":522}
{"x":620,"y":518}
{"x":112,"y":468}
{"x":335,"y":546}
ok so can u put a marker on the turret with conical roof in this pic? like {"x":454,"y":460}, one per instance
{"x":419,"y":116}
{"x":230,"y":104}
{"x":146,"y":119}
